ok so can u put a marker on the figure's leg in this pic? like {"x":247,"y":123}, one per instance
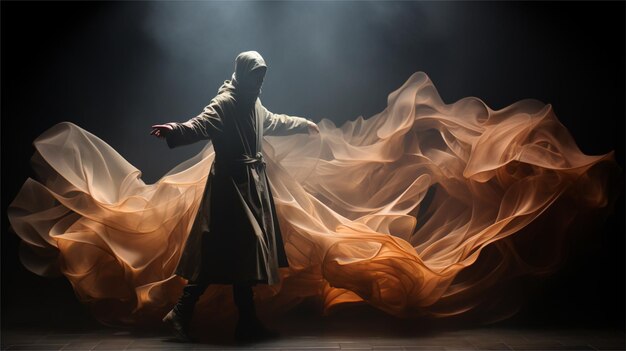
{"x":249,"y":327}
{"x":180,"y":316}
{"x":187,"y":301}
{"x":244,"y":299}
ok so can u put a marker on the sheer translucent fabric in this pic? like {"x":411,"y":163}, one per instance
{"x":425,"y":208}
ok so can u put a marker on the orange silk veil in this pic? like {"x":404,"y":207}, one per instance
{"x":425,"y":208}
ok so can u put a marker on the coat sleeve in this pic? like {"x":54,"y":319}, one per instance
{"x":281,"y":124}
{"x":201,"y":127}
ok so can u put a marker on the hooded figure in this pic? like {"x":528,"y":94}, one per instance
{"x":235,"y":236}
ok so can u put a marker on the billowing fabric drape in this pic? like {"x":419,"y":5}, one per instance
{"x":425,"y":208}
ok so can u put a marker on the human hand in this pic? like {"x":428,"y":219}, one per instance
{"x":313,"y":128}
{"x":161,"y":130}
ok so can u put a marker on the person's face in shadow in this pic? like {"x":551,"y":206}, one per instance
{"x":254,"y":80}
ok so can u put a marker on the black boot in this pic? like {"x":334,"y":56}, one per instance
{"x":179,"y":318}
{"x":177,"y":324}
{"x":249,"y":327}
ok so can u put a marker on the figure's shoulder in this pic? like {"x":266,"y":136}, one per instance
{"x":225,"y":100}
{"x":260,"y":106}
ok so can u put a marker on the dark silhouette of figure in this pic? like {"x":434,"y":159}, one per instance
{"x":235,"y":238}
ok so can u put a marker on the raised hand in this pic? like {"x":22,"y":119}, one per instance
{"x":313,"y":128}
{"x":161,"y":130}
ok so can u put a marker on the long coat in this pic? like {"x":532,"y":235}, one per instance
{"x":235,"y":236}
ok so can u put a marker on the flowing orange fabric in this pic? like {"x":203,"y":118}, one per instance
{"x":422,"y":209}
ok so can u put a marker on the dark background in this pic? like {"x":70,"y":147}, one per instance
{"x":115,"y":68}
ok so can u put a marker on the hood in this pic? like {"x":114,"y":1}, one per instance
{"x":245,"y":63}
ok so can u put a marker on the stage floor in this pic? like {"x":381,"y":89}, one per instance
{"x":59,"y":322}
{"x":473,"y":339}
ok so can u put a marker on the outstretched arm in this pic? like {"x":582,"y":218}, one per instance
{"x":195,"y":129}
{"x":281,"y":124}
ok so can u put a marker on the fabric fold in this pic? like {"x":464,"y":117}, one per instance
{"x":424,"y":209}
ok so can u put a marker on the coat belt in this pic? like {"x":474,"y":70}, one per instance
{"x":246,"y":160}
{"x":257,"y":159}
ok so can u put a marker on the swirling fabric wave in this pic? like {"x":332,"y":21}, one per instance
{"x":426,"y":208}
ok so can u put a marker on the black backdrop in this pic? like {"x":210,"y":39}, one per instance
{"x":115,"y":68}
